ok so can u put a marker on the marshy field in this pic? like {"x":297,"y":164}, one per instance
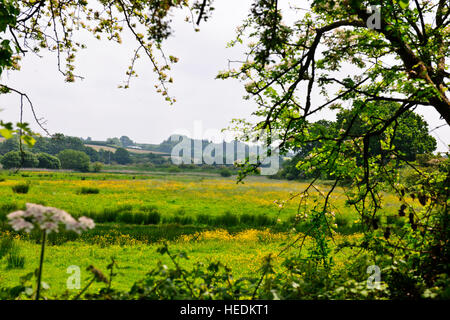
{"x":207,"y":217}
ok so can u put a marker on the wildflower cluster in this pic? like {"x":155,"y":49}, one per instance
{"x":47,"y":219}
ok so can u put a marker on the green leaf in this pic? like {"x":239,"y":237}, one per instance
{"x":6,"y":133}
{"x":29,"y":140}
{"x":404,"y":4}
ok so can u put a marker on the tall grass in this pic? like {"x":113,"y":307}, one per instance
{"x":6,"y":245}
{"x":127,"y":214}
{"x":88,"y":190}
{"x":229,"y":219}
{"x":21,"y":188}
{"x":14,"y":259}
{"x":6,"y":208}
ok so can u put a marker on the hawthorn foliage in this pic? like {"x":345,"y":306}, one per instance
{"x":334,"y":59}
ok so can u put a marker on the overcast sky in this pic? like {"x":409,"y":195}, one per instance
{"x":95,"y":107}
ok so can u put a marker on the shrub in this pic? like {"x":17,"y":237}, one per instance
{"x":16,"y":159}
{"x":48,"y":161}
{"x":97,"y":167}
{"x":30,"y":160}
{"x":146,"y":165}
{"x":10,"y":160}
{"x":342,"y":222}
{"x":76,"y":160}
{"x":225,"y":172}
{"x":89,"y":190}
{"x":122,"y":156}
{"x":21,"y":188}
{"x":174,"y":169}
{"x":187,"y":166}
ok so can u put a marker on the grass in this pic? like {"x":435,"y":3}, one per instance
{"x":208,"y":217}
{"x":5,"y":246}
{"x":15,"y":260}
{"x":243,"y":252}
{"x":193,"y":195}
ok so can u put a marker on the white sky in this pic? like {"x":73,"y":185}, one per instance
{"x":95,"y":107}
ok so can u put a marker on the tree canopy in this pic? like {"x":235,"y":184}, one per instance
{"x":73,"y":159}
{"x":122,"y":156}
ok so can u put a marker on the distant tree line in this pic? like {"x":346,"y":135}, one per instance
{"x":57,"y":152}
{"x":411,"y":139}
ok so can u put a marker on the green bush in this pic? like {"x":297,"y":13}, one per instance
{"x":30,"y":160}
{"x":76,"y":160}
{"x":409,"y":176}
{"x":97,"y":167}
{"x":21,"y":188}
{"x":225,"y":172}
{"x":342,"y":222}
{"x":174,"y":169}
{"x":89,"y":190}
{"x":10,"y":160}
{"x":16,"y":159}
{"x":48,"y":161}
{"x":122,"y":156}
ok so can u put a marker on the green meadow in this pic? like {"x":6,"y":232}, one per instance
{"x":210,"y":218}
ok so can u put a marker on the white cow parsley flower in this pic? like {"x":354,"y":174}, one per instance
{"x":48,"y":219}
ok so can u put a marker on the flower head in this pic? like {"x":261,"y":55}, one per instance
{"x":48,"y":219}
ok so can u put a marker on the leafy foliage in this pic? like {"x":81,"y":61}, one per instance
{"x":374,"y":77}
{"x":16,"y":159}
{"x":48,"y":161}
{"x":122,"y":156}
{"x":72,"y":159}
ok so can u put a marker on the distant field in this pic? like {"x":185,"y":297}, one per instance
{"x":112,"y":149}
{"x":174,"y":195}
{"x":182,"y":198}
